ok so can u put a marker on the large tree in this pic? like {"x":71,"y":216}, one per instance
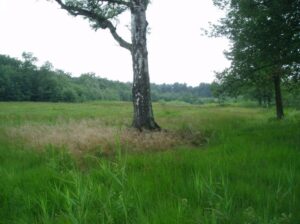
{"x":265,"y":37}
{"x":101,"y":14}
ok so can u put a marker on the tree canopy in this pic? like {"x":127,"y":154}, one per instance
{"x":265,"y":41}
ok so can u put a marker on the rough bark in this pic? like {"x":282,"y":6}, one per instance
{"x":143,"y":114}
{"x":278,"y":96}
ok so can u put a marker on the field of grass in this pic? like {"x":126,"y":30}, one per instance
{"x":80,"y":163}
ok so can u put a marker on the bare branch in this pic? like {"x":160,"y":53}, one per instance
{"x":117,"y":37}
{"x":102,"y":22}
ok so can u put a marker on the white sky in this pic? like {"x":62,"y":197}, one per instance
{"x":177,"y":51}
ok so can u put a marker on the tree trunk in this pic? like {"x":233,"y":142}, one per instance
{"x":278,"y":97}
{"x":143,"y":115}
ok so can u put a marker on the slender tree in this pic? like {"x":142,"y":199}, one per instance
{"x":101,"y":14}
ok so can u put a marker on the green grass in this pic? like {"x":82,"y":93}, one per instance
{"x":248,"y":172}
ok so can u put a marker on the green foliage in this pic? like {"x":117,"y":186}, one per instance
{"x":181,"y":92}
{"x":263,"y":33}
{"x":247,"y":173}
{"x":258,"y":88}
{"x":99,"y":11}
{"x":24,"y":81}
{"x":265,"y":45}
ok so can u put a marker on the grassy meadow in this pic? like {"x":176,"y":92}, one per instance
{"x":81,"y":163}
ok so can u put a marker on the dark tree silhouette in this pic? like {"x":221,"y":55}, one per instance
{"x":265,"y":37}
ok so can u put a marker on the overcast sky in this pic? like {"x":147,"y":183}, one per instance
{"x":177,"y":51}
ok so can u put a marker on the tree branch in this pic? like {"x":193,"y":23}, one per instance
{"x":102,"y":22}
{"x":117,"y":37}
{"x":119,"y":2}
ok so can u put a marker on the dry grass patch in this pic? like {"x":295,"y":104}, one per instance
{"x":92,"y":135}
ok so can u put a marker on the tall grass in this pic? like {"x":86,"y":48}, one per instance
{"x":247,"y":169}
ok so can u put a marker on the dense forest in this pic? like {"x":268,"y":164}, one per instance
{"x":22,"y":80}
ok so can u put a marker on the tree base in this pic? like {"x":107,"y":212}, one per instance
{"x":151,"y":126}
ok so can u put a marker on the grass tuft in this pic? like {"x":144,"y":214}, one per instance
{"x":90,"y":135}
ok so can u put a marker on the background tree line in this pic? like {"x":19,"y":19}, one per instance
{"x":22,"y":80}
{"x":234,"y":88}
